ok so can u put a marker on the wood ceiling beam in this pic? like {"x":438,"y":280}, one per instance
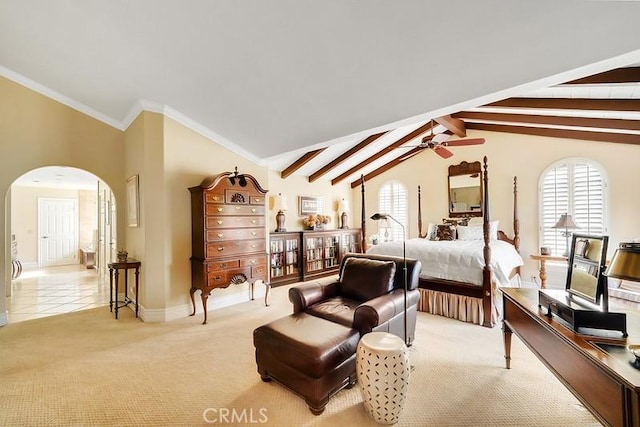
{"x":570,"y":104}
{"x":620,"y":138}
{"x":326,"y":168}
{"x":416,"y":133}
{"x":453,"y":124}
{"x":551,"y":120}
{"x":619,"y":75}
{"x":387,"y":166}
{"x":306,"y":158}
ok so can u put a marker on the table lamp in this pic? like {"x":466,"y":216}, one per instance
{"x":625,"y":265}
{"x":280,"y":204}
{"x":567,"y":223}
{"x":343,"y":206}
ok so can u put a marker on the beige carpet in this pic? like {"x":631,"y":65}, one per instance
{"x":86,"y":368}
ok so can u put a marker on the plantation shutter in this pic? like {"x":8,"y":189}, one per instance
{"x":392,"y":199}
{"x":575,"y":187}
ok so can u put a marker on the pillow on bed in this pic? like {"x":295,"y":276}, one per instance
{"x":445,"y":232}
{"x":432,"y":231}
{"x":476,"y":232}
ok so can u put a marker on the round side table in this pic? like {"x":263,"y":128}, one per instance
{"x":382,"y":366}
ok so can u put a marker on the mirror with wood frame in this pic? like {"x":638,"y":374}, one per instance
{"x":587,"y":260}
{"x":465,"y":189}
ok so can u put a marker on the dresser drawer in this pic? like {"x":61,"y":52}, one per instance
{"x":223,"y":265}
{"x":228,"y":248}
{"x":253,"y":261}
{"x":214,"y":198}
{"x":236,"y":234}
{"x":216,"y":209}
{"x":234,"y":222}
{"x":222,"y":278}
{"x":256,"y":200}
{"x":259,"y":272}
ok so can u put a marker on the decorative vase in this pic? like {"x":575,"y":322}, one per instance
{"x":122,"y":256}
{"x":382,"y":366}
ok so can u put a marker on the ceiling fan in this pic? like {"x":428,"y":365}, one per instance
{"x":438,"y":143}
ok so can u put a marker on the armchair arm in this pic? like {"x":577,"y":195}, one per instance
{"x":310,"y":293}
{"x":377,"y":311}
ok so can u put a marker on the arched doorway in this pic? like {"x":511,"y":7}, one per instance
{"x":63,"y":224}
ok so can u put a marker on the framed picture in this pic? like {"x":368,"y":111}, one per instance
{"x":133,"y":205}
{"x":311,"y":205}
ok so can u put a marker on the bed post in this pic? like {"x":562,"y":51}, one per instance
{"x":487,"y":293}
{"x":420,"y":235}
{"x":363,"y":219}
{"x":516,"y":221}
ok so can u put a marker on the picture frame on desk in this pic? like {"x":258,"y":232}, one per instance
{"x":133,"y":204}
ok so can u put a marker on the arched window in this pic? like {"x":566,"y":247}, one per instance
{"x":392,"y":200}
{"x":576,"y":187}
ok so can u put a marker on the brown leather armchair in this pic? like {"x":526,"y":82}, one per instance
{"x":313,"y":351}
{"x":368,"y":295}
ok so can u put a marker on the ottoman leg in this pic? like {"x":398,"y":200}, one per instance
{"x":317,"y":408}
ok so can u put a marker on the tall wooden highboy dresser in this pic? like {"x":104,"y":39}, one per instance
{"x":228,"y":234}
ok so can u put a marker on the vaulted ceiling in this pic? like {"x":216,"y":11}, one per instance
{"x":604,"y":107}
{"x":346,"y":80}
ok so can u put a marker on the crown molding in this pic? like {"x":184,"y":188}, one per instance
{"x":138,"y":107}
{"x":57,"y":96}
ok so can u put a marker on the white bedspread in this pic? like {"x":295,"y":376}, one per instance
{"x":459,"y":260}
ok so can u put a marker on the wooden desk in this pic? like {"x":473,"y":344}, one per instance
{"x":114,"y":267}
{"x":596,"y":370}
{"x":543,"y":268}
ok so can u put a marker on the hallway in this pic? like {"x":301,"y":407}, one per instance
{"x":55,"y":290}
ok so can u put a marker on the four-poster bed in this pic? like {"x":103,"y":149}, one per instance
{"x":460,"y":278}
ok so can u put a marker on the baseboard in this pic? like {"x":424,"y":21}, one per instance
{"x":184,"y":310}
{"x":4,"y":318}
{"x":33,"y":265}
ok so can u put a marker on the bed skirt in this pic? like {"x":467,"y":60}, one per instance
{"x":461,"y":307}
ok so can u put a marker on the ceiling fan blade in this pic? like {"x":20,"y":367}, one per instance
{"x":468,"y":141}
{"x":440,"y":138}
{"x":442,"y":152}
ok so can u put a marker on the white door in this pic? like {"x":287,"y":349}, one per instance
{"x":57,"y":231}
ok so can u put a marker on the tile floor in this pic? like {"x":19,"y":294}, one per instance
{"x":56,"y":290}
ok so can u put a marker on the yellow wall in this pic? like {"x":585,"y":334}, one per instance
{"x":36,"y":131}
{"x":526,"y":157}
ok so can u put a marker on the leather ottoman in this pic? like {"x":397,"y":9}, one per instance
{"x":311,"y":356}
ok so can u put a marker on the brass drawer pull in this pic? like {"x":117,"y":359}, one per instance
{"x":253,"y":233}
{"x":223,"y":265}
{"x":253,"y":221}
{"x":253,"y":261}
{"x":237,"y":208}
{"x":258,"y":199}
{"x":215,"y":198}
{"x":217,"y":278}
{"x":254,"y":246}
{"x":220,"y":234}
{"x":220,"y":222}
{"x":220,"y":209}
{"x":253,"y":209}
{"x":220,"y":248}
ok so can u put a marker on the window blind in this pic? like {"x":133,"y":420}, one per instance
{"x":392,"y":199}
{"x":575,"y":187}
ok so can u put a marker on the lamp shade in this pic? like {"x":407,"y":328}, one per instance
{"x":280,"y":203}
{"x":565,"y":222}
{"x":343,"y":205}
{"x":625,"y":264}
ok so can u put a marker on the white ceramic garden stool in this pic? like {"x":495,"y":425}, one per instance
{"x":382,"y":366}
